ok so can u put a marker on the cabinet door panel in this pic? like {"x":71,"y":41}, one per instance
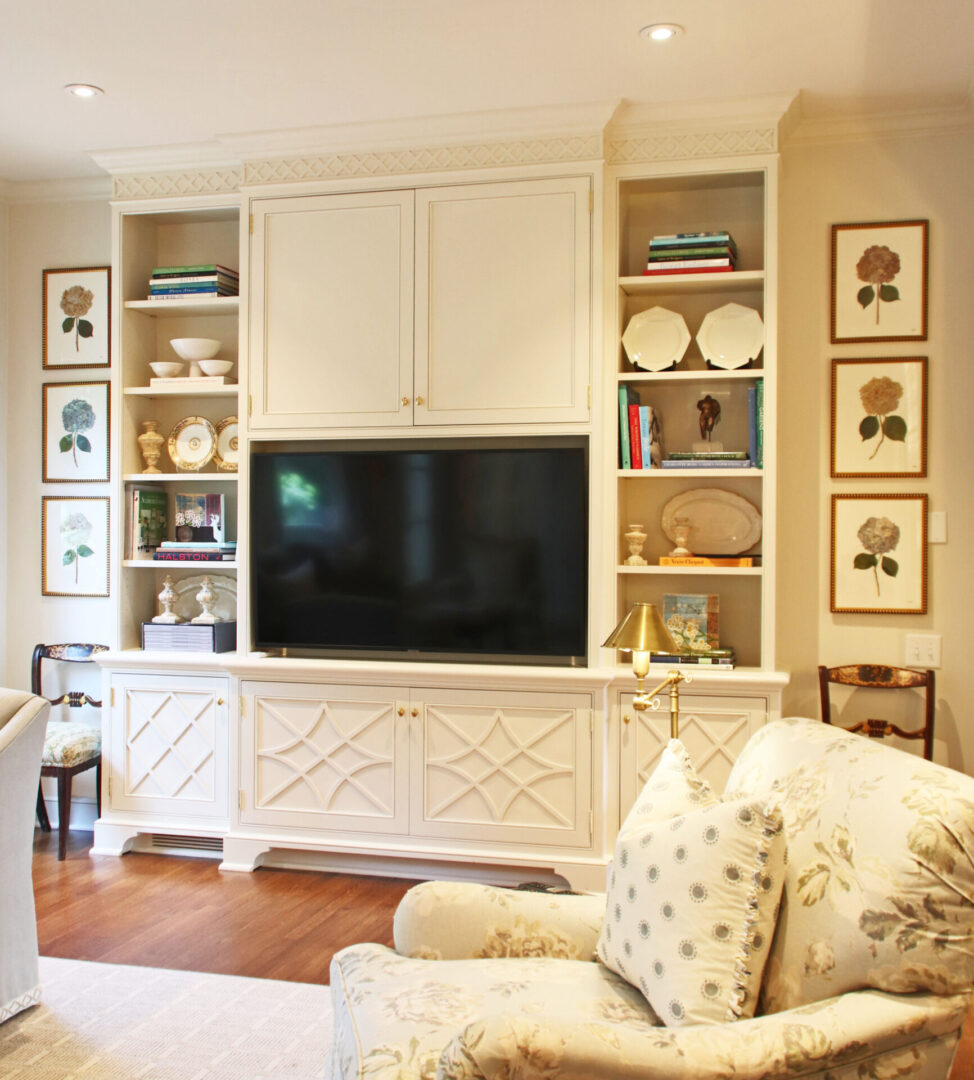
{"x":169,"y":745}
{"x":714,"y":731}
{"x":324,"y":757}
{"x":502,"y":315}
{"x":503,"y":768}
{"x":331,"y":309}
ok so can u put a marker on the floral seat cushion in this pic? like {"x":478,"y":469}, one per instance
{"x":395,"y":1015}
{"x":70,"y":743}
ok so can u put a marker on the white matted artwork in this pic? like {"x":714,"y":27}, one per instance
{"x":879,"y":417}
{"x":75,"y":421}
{"x":879,"y":554}
{"x":77,"y":317}
{"x":74,"y":546}
{"x":879,"y":281}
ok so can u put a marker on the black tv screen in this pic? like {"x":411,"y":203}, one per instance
{"x":435,"y":551}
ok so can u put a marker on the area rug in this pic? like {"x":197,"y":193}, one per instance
{"x":112,"y":1022}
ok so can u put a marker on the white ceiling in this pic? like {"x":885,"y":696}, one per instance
{"x":187,"y":71}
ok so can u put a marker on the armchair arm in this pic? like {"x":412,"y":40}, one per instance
{"x":442,"y":920}
{"x":896,"y":1034}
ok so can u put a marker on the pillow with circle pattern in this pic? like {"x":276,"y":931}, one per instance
{"x":692,"y":904}
{"x":673,"y":789}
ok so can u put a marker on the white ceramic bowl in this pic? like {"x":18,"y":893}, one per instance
{"x":166,"y":369}
{"x":216,"y":367}
{"x":195,"y":348}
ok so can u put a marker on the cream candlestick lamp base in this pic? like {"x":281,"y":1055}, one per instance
{"x":643,"y":632}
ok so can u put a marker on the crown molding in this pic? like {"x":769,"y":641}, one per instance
{"x":79,"y":189}
{"x":866,"y":127}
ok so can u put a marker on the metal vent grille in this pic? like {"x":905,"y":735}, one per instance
{"x":194,"y":843}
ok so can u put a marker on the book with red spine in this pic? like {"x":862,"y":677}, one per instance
{"x":635,"y":440}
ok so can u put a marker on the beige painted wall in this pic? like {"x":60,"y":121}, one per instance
{"x":923,"y":176}
{"x":41,"y":235}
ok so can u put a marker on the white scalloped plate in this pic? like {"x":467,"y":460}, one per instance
{"x":721,"y":523}
{"x":656,"y":339}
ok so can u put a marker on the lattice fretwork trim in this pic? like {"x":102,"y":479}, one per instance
{"x":627,"y":148}
{"x":222,"y":181}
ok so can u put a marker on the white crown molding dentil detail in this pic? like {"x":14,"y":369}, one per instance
{"x":154,"y":185}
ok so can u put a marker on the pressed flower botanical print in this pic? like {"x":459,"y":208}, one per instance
{"x":75,"y":440}
{"x":879,"y":281}
{"x":879,"y":553}
{"x":77,"y":317}
{"x":879,"y":417}
{"x":74,"y":560}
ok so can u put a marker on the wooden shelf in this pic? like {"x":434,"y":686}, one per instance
{"x":684,"y":474}
{"x":734,"y":281}
{"x":156,"y":564}
{"x":182,"y":477}
{"x":161,"y":309}
{"x":691,"y":375}
{"x":694,"y":571}
{"x":204,"y":389}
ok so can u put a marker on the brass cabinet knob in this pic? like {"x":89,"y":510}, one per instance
{"x":219,"y":701}
{"x":401,"y":711}
{"x":415,"y":712}
{"x":626,"y":718}
{"x":405,"y":401}
{"x":419,"y":401}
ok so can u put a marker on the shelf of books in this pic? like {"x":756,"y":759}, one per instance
{"x":692,"y":366}
{"x":176,"y":276}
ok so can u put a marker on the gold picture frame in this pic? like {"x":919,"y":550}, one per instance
{"x":879,"y":554}
{"x":77,"y":317}
{"x":879,"y":417}
{"x":879,"y":281}
{"x":74,"y":545}
{"x":76,"y":432}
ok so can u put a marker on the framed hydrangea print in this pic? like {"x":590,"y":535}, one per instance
{"x":74,"y":546}
{"x":879,"y":281}
{"x":879,"y":554}
{"x":77,"y":317}
{"x":75,"y":420}
{"x":879,"y":417}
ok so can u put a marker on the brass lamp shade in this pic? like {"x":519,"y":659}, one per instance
{"x":642,"y":630}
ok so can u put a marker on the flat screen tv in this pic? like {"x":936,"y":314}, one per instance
{"x":438,"y":550}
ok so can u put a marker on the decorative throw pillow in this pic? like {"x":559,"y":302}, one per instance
{"x":691,"y":908}
{"x":673,"y":789}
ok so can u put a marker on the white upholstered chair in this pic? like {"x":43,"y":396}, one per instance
{"x":23,"y":721}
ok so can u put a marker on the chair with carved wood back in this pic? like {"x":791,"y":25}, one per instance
{"x":70,"y":746}
{"x":881,"y":677}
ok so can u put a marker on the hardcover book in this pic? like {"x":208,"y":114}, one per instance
{"x":692,"y":620}
{"x":199,"y":516}
{"x":149,"y":521}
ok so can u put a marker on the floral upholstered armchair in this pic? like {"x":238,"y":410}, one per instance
{"x":816,"y":921}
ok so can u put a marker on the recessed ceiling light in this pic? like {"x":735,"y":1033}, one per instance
{"x":83,"y":90}
{"x":661,"y":31}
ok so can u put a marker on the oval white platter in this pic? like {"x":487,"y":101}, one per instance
{"x":731,"y":336}
{"x":188,"y":606}
{"x":656,"y":339}
{"x":721,"y":523}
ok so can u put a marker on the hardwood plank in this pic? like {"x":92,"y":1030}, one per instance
{"x":169,"y":912}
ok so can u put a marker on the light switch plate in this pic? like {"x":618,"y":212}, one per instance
{"x":923,"y":650}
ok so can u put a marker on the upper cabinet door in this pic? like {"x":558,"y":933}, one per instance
{"x":332,"y":311}
{"x":503,"y":302}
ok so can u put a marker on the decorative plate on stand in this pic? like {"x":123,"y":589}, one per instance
{"x":731,"y":336}
{"x":192,"y":443}
{"x":656,"y":339}
{"x":227,"y":455}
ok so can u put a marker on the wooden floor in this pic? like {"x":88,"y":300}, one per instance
{"x":161,"y":911}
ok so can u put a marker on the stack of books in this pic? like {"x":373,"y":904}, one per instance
{"x":708,"y":459}
{"x":195,"y":551}
{"x":640,"y":432}
{"x":722,"y":658}
{"x":691,"y":253}
{"x":193,"y":282}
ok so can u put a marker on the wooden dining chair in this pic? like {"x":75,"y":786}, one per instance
{"x":70,"y":746}
{"x":881,"y":677}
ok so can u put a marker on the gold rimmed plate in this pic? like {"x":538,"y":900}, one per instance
{"x":192,"y":443}
{"x":227,"y":455}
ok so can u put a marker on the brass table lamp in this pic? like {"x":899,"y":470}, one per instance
{"x":642,"y":632}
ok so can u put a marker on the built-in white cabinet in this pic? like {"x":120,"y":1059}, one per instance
{"x":498,"y":768}
{"x":714,"y":727}
{"x":457,"y":305}
{"x":165,"y":756}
